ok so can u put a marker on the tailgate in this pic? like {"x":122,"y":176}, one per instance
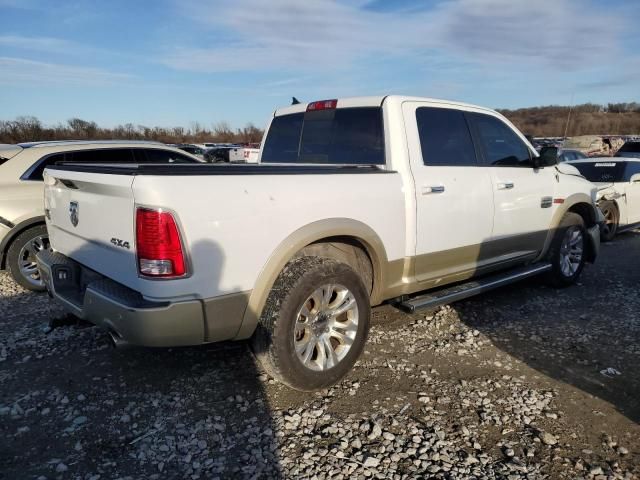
{"x":90,"y":218}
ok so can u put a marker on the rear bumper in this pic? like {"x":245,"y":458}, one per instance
{"x":123,"y":312}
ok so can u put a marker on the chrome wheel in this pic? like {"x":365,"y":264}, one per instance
{"x":326,"y":327}
{"x":610,"y":221}
{"x":27,"y":259}
{"x":571,"y":251}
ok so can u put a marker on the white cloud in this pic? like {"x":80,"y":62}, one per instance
{"x":20,"y":71}
{"x":562,"y":33}
{"x":41,"y":44}
{"x":310,"y":35}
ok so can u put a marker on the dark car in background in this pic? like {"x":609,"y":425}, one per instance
{"x":192,"y":149}
{"x":629,"y":150}
{"x":218,"y":154}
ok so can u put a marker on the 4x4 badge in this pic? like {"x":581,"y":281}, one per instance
{"x":74,"y":213}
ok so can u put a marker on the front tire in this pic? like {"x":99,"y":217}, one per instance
{"x":568,"y":251}
{"x":314,"y":325}
{"x":21,"y":257}
{"x":611,"y":220}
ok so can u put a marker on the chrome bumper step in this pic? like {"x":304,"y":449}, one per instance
{"x":447,"y":295}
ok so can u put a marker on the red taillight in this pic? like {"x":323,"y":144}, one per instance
{"x":158,"y":244}
{"x":322,"y":105}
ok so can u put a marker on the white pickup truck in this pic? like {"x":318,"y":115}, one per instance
{"x":356,"y":201}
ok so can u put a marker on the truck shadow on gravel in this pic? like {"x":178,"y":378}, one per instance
{"x":571,"y":335}
{"x":71,"y":405}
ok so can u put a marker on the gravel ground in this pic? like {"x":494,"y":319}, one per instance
{"x":507,"y":385}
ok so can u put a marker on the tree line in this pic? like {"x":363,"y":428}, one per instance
{"x":29,"y":129}
{"x":584,"y":119}
{"x":547,"y":121}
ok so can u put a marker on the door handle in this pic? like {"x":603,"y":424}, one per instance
{"x":505,"y":186}
{"x":426,"y":190}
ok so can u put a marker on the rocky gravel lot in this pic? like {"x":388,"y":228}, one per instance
{"x":524,"y":382}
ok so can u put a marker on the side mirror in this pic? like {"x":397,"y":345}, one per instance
{"x":635,"y":178}
{"x":548,"y":157}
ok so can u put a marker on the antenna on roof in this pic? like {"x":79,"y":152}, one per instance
{"x":294,"y":101}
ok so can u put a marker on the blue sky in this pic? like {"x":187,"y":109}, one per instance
{"x":172,"y":62}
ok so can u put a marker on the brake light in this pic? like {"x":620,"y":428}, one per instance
{"x":158,"y":244}
{"x":322,"y":105}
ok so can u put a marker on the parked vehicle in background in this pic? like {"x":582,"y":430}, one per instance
{"x":244,"y":155}
{"x":22,"y":225}
{"x":192,"y":149}
{"x":618,"y":182}
{"x":629,"y":150}
{"x":356,"y":201}
{"x":540,"y":143}
{"x":594,"y":145}
{"x":218,"y":154}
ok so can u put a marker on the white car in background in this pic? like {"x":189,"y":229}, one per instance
{"x":244,"y":155}
{"x":618,"y":181}
{"x":22,"y":218}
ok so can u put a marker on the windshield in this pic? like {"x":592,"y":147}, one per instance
{"x":602,"y":172}
{"x":343,"y":136}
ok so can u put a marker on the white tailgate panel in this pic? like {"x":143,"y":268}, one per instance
{"x":105,"y":210}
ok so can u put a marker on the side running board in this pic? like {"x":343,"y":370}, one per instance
{"x":469,"y":289}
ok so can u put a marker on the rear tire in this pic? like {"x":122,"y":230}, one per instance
{"x":611,"y":220}
{"x":21,"y":260}
{"x":568,"y":251}
{"x":314,"y":325}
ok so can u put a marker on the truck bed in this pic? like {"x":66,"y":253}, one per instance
{"x":232,"y":217}
{"x":218,"y":169}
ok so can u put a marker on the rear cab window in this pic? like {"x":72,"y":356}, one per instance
{"x":339,"y":136}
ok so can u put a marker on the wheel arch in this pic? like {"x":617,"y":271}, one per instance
{"x":579,"y":203}
{"x":586,"y":211}
{"x":13,"y":233}
{"x":327,"y":231}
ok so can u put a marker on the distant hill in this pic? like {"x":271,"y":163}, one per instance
{"x":550,"y":121}
{"x":29,"y":129}
{"x":586,"y":119}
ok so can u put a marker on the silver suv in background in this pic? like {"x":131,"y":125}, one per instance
{"x":22,"y":227}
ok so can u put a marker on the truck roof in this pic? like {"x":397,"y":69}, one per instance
{"x":377,"y":101}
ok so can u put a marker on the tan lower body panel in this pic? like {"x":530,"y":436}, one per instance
{"x":413,"y":274}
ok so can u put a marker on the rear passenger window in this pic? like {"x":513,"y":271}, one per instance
{"x":444,"y":137}
{"x":502,"y":146}
{"x":163,"y":156}
{"x":36,"y":172}
{"x":112,"y":155}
